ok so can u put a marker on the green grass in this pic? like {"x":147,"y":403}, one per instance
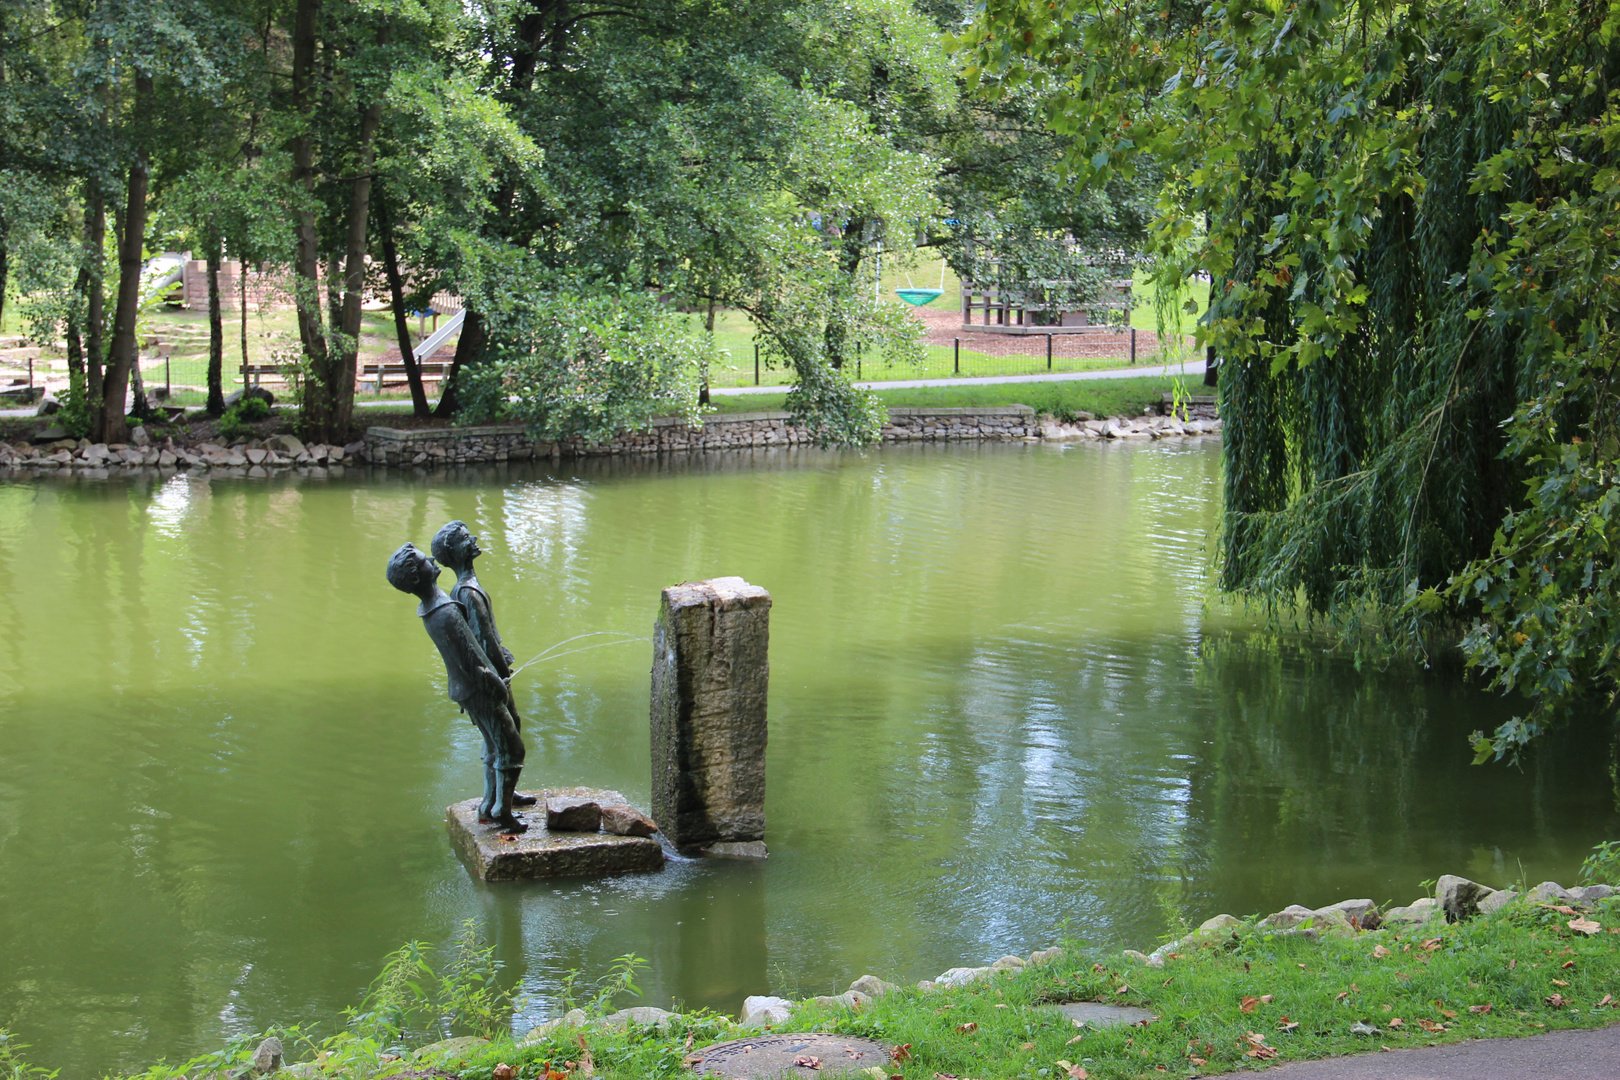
{"x":1102,"y":397}
{"x":1235,"y":1000}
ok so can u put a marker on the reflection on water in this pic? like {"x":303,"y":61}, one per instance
{"x":1001,"y":712}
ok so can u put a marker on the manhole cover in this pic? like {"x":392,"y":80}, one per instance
{"x":768,"y":1057}
{"x":1093,"y":1014}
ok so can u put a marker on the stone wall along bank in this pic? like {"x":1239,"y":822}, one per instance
{"x":509,"y":442}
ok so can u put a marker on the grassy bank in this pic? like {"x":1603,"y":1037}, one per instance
{"x":1233,"y":1000}
{"x":1100,"y":397}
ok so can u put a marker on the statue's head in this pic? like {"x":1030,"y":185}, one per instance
{"x":410,"y":568}
{"x":455,"y":545}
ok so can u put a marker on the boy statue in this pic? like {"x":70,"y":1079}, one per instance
{"x":474,"y":683}
{"x":456,"y":547}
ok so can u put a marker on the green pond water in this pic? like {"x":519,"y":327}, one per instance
{"x":1003,"y":711}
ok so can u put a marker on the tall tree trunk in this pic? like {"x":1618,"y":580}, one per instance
{"x":241,"y":291}
{"x":95,"y":308}
{"x":125,"y":348}
{"x":5,"y":267}
{"x":341,"y":362}
{"x":396,"y":294}
{"x":708,"y":324}
{"x":306,"y":257}
{"x":216,"y":326}
{"x":469,"y":350}
{"x":81,"y":287}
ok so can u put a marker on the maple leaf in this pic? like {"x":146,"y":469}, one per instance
{"x":1585,"y":926}
{"x":1482,"y":1009}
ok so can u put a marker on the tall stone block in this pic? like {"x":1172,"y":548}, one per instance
{"x":709,"y":679}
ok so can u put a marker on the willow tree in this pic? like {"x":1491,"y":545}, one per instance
{"x":1408,"y":213}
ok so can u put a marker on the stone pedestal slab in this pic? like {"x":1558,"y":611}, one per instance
{"x":709,"y":681}
{"x":540,"y":853}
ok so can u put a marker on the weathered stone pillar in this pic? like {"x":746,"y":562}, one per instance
{"x":709,"y":679}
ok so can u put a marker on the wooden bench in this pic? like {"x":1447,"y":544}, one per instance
{"x":431,"y":369}
{"x":252,"y":372}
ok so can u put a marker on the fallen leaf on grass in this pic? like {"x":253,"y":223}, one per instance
{"x":1124,"y":988}
{"x":1248,"y":1004}
{"x":1026,"y":1046}
{"x":1342,"y":995}
{"x":1481,"y":1009}
{"x":1257,"y":1047}
{"x":1430,"y":945}
{"x":807,"y":1061}
{"x":1559,"y":982}
{"x":1567,"y":964}
{"x":968,"y":1028}
{"x":901,"y":1053}
{"x":1430,"y":1026}
{"x":1070,"y":1069}
{"x":1379,"y":952}
{"x":1585,"y":926}
{"x":1396,"y":1022}
{"x":1286,"y":1025}
{"x":1076,"y":1039}
{"x":1608,"y":999}
{"x":503,"y":1071}
{"x":1266,"y":999}
{"x":1562,"y":909}
{"x":1557,"y":1001}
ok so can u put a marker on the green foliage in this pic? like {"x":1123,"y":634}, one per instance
{"x":620,"y":979}
{"x":590,"y":365}
{"x":1409,"y":214}
{"x":410,"y":1001}
{"x":1603,"y":865}
{"x":238,"y":418}
{"x":12,"y":1066}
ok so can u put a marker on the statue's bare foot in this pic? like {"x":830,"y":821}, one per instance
{"x":520,"y":799}
{"x":511,"y":823}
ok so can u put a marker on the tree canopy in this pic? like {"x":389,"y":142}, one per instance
{"x":1408,"y":216}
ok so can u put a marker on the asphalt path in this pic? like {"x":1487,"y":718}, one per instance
{"x":1592,"y":1054}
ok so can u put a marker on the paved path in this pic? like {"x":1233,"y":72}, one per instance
{"x":1558,"y":1055}
{"x":1189,"y":369}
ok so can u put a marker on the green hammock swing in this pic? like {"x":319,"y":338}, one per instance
{"x":918,"y":297}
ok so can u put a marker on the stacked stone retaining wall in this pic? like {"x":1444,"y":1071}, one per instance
{"x":392,"y":446}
